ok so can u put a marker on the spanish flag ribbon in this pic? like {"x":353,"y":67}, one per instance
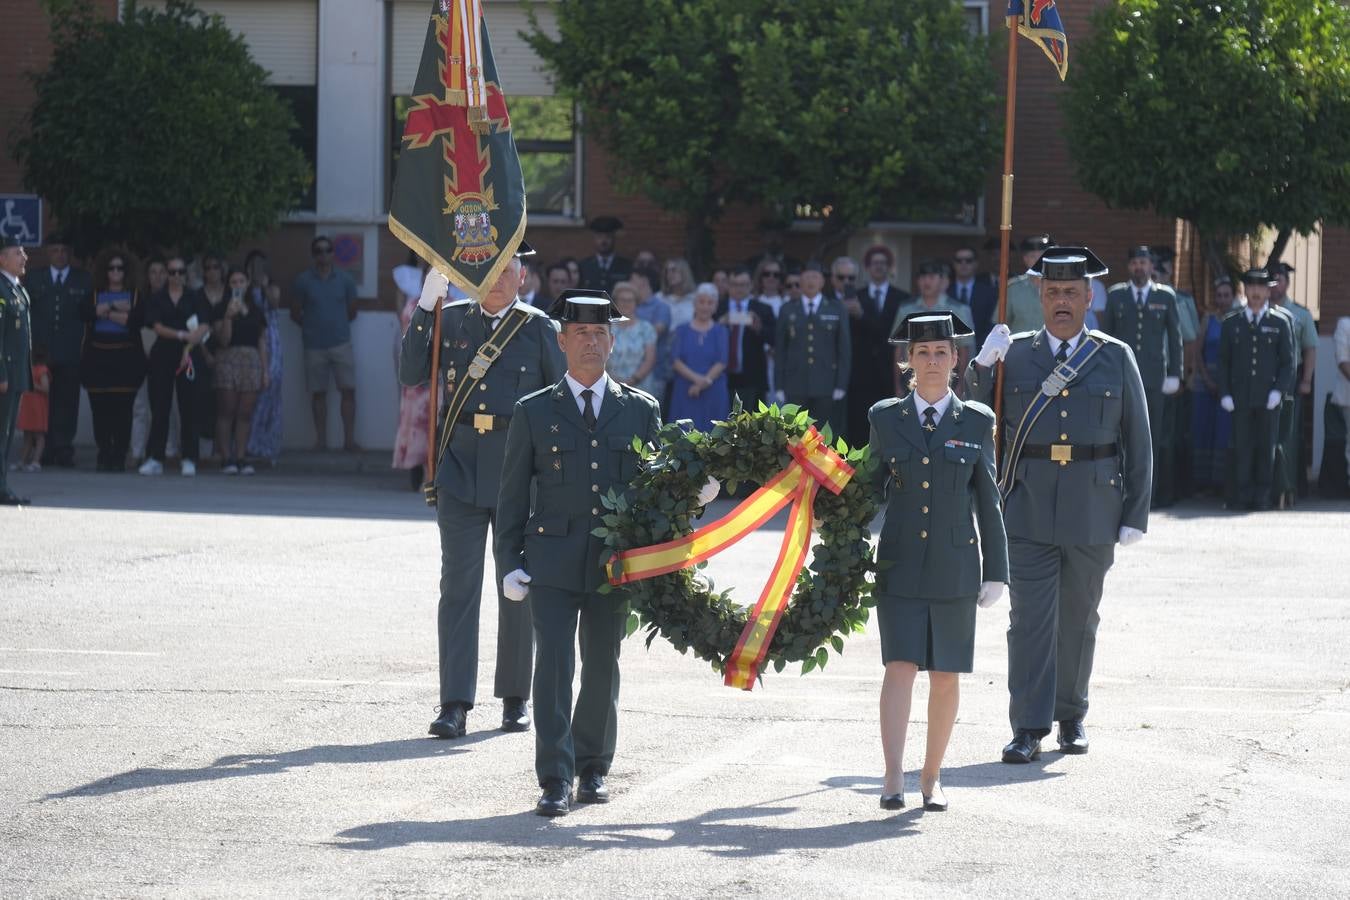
{"x":813,"y":465}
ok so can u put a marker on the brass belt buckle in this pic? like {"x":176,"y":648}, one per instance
{"x":482,"y":422}
{"x":1061,"y":453}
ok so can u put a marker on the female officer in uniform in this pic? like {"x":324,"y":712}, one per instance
{"x":942,"y":546}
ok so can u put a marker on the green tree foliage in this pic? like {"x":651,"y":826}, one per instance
{"x":160,"y":131}
{"x":1232,"y":114}
{"x":855,"y":106}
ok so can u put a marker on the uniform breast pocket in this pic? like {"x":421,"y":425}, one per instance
{"x":959,"y":463}
{"x":1017,"y":396}
{"x":1106,"y":403}
{"x":897,"y":462}
{"x":529,"y":376}
{"x":623,"y":459}
{"x":554,"y":458}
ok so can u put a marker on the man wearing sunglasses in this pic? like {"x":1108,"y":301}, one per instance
{"x":59,"y":292}
{"x":324,"y":308}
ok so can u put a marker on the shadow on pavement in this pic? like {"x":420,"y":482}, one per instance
{"x":243,"y":764}
{"x":719,"y":832}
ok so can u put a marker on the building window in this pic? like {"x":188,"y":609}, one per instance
{"x":303,"y":101}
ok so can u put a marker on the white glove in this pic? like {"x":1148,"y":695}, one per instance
{"x":1128,"y":536}
{"x":837,"y":394}
{"x":434,"y":290}
{"x":779,"y":397}
{"x":1274,"y":400}
{"x":990,"y":593}
{"x":995,"y":346}
{"x":1227,"y":403}
{"x":1171,"y":384}
{"x":708,"y":493}
{"x":516,"y":585}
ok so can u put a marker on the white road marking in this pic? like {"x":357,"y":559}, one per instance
{"x":33,"y":672}
{"x":78,"y":652}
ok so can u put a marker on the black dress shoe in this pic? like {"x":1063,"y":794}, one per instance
{"x":937,"y":800}
{"x":450,"y":722}
{"x":893,"y":801}
{"x":556,"y":799}
{"x":515,"y":715}
{"x":592,"y":788}
{"x":1023,"y":748}
{"x":9,"y":498}
{"x":1072,"y":738}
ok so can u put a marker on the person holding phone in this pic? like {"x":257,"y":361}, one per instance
{"x":241,"y":371}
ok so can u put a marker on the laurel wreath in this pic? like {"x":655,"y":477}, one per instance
{"x":833,"y":593}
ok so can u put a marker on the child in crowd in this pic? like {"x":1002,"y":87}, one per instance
{"x":33,"y":413}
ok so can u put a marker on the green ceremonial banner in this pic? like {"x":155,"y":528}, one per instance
{"x":459,"y":195}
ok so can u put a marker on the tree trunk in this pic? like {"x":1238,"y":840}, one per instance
{"x":699,"y":245}
{"x":1277,"y":249}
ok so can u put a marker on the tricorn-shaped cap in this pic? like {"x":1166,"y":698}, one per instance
{"x":1069,"y":264}
{"x":584,"y":307}
{"x":936,"y":325}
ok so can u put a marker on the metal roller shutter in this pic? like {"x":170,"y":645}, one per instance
{"x":282,"y":35}
{"x":517,"y":65}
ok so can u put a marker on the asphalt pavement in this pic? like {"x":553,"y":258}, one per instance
{"x":221,"y":686}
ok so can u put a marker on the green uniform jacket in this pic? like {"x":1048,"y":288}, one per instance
{"x":16,"y":342}
{"x":569,"y":468}
{"x":1154,"y":332}
{"x":1024,"y":304}
{"x":1083,"y":502}
{"x":1255,"y":360}
{"x":928,"y":547}
{"x":57,"y":321}
{"x":813,"y":355}
{"x":470,"y":469}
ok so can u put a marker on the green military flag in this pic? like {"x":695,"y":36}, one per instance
{"x":459,"y":195}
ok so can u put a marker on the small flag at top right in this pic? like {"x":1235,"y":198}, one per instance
{"x":1038,"y":20}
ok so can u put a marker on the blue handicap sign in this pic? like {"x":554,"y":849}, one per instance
{"x":21,"y":217}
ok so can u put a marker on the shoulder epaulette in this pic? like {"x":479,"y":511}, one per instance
{"x":980,"y":408}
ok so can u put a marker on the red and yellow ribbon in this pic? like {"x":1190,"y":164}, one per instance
{"x":813,"y":464}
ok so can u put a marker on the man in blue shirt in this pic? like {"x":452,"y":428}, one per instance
{"x":324,"y":308}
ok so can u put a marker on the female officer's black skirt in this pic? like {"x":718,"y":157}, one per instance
{"x":937,"y":635}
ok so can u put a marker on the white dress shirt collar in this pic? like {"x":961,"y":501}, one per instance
{"x":879,"y":290}
{"x":601,"y":387}
{"x":1254,"y":317}
{"x":12,"y":280}
{"x":811,"y":304}
{"x":939,"y":408}
{"x":498,"y":315}
{"x":59,"y":275}
{"x":1147,"y":288}
{"x":1072,"y":342}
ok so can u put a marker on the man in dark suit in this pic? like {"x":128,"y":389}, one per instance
{"x":59,"y":291}
{"x":751,"y":326}
{"x":606,"y":268}
{"x":567,"y":446}
{"x":974,"y":290}
{"x":868,"y":336}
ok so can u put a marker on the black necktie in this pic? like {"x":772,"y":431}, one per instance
{"x":1063,"y":355}
{"x":61,"y":280}
{"x":1139,"y":296}
{"x":929,"y":423}
{"x":588,"y":412}
{"x":965,"y":294}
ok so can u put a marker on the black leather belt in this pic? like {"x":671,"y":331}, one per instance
{"x":483,"y":422}
{"x":1067,"y":453}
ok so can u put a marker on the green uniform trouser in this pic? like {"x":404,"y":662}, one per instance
{"x":1052,"y":632}
{"x":1182,"y":450}
{"x":568,"y":743}
{"x":9,"y":414}
{"x":464,"y":529}
{"x":1253,"y":454}
{"x":1161,"y":414}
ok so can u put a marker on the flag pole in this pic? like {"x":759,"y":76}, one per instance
{"x":1005,"y":222}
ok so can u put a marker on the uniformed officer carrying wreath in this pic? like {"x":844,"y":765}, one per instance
{"x":493,"y":352}
{"x":937,"y":469}
{"x":1256,"y":370}
{"x":567,"y":447}
{"x":1077,"y":467}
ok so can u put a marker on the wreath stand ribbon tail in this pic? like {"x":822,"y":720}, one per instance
{"x":813,"y":464}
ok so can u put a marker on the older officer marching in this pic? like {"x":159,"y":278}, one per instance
{"x":493,"y":352}
{"x":1077,"y":469}
{"x":937,"y":467}
{"x":1256,"y":371}
{"x":1144,"y":315}
{"x":16,"y":347}
{"x":568,"y":445}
